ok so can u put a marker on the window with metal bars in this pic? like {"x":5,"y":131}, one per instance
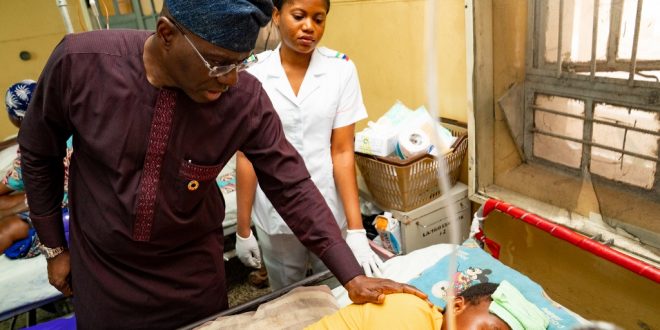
{"x":592,"y":91}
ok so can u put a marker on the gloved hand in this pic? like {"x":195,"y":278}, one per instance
{"x":247,"y":250}
{"x":359,"y":244}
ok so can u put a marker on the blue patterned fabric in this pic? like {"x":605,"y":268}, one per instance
{"x":474,"y":266}
{"x":25,"y":248}
{"x":230,"y":24}
{"x":17,"y":98}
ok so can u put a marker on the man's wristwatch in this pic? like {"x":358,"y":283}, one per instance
{"x":51,"y":253}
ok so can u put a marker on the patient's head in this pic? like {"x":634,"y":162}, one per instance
{"x":17,"y":98}
{"x":471,"y":309}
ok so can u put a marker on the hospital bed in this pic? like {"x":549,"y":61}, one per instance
{"x":428,"y":267}
{"x":401,"y":269}
{"x":24,"y":287}
{"x":23,"y":283}
{"x":474,"y":265}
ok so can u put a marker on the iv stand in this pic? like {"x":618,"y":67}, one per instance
{"x":62,"y":4}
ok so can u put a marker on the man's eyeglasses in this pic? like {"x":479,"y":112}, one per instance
{"x":220,"y":70}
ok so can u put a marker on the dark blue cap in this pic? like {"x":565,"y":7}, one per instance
{"x":229,"y":24}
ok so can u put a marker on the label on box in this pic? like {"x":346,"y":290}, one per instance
{"x":440,"y":229}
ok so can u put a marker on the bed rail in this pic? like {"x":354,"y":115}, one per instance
{"x":635,"y":265}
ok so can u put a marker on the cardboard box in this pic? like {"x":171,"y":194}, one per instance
{"x":429,"y":224}
{"x":372,"y":143}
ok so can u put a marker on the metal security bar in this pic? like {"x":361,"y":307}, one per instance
{"x":560,"y":65}
{"x":598,"y":121}
{"x":560,"y":38}
{"x":594,"y":39}
{"x":594,"y":144}
{"x":633,"y":57}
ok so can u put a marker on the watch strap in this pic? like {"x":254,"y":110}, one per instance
{"x":51,"y":253}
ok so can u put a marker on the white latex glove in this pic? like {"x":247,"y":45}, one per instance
{"x":247,"y":250}
{"x":359,"y":244}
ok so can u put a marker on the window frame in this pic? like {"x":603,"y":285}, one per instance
{"x":543,"y":78}
{"x":484,"y":129}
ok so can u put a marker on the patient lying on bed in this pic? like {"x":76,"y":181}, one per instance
{"x":12,"y":226}
{"x":482,"y":306}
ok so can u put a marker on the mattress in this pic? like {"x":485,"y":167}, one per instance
{"x":24,"y":285}
{"x":23,"y":282}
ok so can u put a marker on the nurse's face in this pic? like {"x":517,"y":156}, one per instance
{"x":476,"y":317}
{"x":301,"y":24}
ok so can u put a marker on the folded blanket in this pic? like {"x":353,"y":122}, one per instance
{"x":295,"y":310}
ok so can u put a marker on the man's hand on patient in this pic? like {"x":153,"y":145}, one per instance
{"x":59,"y":273}
{"x":359,"y":244}
{"x":362,"y":289}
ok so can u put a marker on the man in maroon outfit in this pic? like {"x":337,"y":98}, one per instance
{"x":154,"y":118}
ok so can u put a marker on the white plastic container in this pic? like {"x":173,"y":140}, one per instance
{"x":389,"y":231}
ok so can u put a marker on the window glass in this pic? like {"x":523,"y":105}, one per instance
{"x":615,"y":133}
{"x":555,"y":148}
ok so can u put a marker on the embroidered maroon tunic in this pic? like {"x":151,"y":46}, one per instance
{"x":146,"y":214}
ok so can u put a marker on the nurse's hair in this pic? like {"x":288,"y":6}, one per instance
{"x":279,"y":3}
{"x":477,"y":293}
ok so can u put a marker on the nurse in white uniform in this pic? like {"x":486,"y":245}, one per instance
{"x":316,"y":93}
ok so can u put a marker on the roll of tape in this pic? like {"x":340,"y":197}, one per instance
{"x":412,"y":143}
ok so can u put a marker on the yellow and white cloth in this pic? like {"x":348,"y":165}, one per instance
{"x":412,"y":313}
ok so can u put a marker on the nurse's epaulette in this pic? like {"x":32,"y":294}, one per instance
{"x":263,"y":55}
{"x":333,"y":53}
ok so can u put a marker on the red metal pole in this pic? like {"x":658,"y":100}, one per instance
{"x":635,"y":265}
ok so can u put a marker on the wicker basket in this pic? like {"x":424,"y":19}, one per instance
{"x":405,"y":187}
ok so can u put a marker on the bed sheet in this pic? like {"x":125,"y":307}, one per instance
{"x":23,"y":282}
{"x":404,"y":268}
{"x":7,"y":156}
{"x":226,"y":181}
{"x":423,"y":267}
